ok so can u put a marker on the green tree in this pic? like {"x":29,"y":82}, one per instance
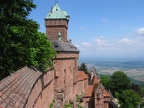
{"x":142,"y":95}
{"x":136,"y":88}
{"x":129,"y":99}
{"x":20,"y":42}
{"x":83,"y":67}
{"x":142,"y":91}
{"x":119,"y":82}
{"x":105,"y":81}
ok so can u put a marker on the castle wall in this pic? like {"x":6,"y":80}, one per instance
{"x":85,"y":83}
{"x":82,"y":85}
{"x":89,"y":103}
{"x":42,"y":94}
{"x":106,"y":104}
{"x":66,"y":74}
{"x":68,"y":55}
{"x":101,"y":101}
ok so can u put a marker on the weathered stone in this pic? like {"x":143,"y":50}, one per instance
{"x":59,"y":90}
{"x":59,"y":95}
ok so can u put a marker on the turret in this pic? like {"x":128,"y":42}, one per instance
{"x":56,"y":21}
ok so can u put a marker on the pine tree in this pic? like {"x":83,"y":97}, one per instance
{"x":83,"y":67}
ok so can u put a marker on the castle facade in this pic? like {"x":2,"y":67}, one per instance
{"x":30,"y":88}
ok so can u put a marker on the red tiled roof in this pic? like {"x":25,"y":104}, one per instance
{"x":82,"y":76}
{"x":95,"y":80}
{"x":95,"y":84}
{"x":15,"y":89}
{"x":1,"y":106}
{"x":106,"y":94}
{"x":88,"y":91}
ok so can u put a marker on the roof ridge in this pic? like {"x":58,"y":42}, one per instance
{"x":57,"y":13}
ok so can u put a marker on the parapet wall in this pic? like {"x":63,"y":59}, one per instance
{"x":42,"y":94}
{"x":27,"y":88}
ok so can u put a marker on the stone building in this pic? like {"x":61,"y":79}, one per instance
{"x":66,"y":61}
{"x":30,"y":88}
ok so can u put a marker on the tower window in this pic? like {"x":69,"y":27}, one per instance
{"x":65,"y":70}
{"x":56,"y":9}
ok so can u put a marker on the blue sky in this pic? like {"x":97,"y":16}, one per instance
{"x":100,"y":28}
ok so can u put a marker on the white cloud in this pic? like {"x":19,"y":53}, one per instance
{"x":77,"y":46}
{"x":82,"y":28}
{"x":85,"y":44}
{"x":101,"y":42}
{"x":124,"y":40}
{"x":80,"y":48}
{"x":140,"y":31}
{"x":127,"y":41}
{"x":98,"y":41}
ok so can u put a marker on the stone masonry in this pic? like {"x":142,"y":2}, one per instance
{"x":53,"y":27}
{"x":27,"y":88}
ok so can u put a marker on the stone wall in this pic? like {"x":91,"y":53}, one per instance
{"x":81,"y":86}
{"x":42,"y":94}
{"x":54,"y":26}
{"x":66,"y":74}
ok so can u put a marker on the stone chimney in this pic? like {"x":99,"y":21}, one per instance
{"x":70,"y":40}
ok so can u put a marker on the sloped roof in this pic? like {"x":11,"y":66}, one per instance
{"x":89,"y":91}
{"x":113,"y":104}
{"x":15,"y":89}
{"x":94,"y":71}
{"x":111,"y":96}
{"x":64,"y":46}
{"x":91,"y":88}
{"x":82,"y":76}
{"x":95,"y":80}
{"x":1,"y":106}
{"x":57,"y":13}
{"x":106,"y":94}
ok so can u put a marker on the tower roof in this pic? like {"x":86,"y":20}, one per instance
{"x":64,"y":46}
{"x":57,"y":13}
{"x":94,"y":71}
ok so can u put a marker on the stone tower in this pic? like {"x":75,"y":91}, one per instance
{"x":66,"y":61}
{"x":56,"y":22}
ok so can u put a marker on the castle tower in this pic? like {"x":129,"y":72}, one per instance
{"x":56,"y":21}
{"x":66,"y":61}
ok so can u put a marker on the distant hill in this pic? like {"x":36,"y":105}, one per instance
{"x":133,"y":67}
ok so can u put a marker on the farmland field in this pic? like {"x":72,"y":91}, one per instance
{"x":133,"y":67}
